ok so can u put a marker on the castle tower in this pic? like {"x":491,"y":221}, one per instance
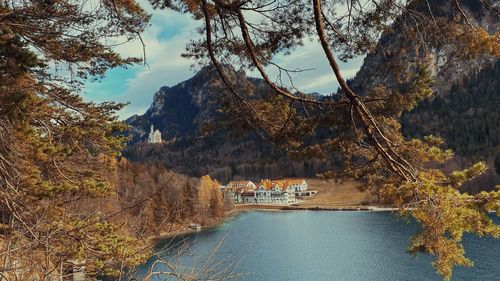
{"x":154,"y":135}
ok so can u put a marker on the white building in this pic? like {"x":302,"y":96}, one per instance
{"x":154,"y":136}
{"x":298,"y":185}
{"x":240,"y":184}
{"x":274,"y":192}
{"x":281,"y":192}
{"x":234,"y":189}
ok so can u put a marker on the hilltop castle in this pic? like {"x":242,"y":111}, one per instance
{"x":154,"y":136}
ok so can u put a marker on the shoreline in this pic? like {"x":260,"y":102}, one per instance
{"x":227,"y":215}
{"x":266,"y":208}
{"x":353,"y":208}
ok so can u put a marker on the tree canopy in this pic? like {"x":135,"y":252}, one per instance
{"x":56,"y":149}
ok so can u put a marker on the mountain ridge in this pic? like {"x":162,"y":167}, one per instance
{"x":183,"y":111}
{"x":182,"y":114}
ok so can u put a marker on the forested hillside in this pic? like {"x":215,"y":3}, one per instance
{"x":463,"y":109}
{"x":200,"y":136}
{"x":196,"y":142}
{"x":468,"y":118}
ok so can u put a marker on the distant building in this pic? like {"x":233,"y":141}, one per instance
{"x":280,"y":192}
{"x":297,"y":184}
{"x":233,"y":185}
{"x":304,"y":194}
{"x":154,"y":135}
{"x":274,"y":192}
{"x":234,"y":190}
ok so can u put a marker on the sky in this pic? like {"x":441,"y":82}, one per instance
{"x":165,"y":41}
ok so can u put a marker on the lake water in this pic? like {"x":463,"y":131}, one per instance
{"x":326,"y":246}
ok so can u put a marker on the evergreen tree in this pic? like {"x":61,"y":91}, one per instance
{"x":467,"y":117}
{"x":56,"y":149}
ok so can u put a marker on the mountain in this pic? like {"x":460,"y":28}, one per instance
{"x":399,"y":52}
{"x":179,"y":112}
{"x":464,"y":110}
{"x":467,"y":117}
{"x":185,"y":112}
{"x":464,"y":107}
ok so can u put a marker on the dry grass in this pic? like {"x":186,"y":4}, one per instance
{"x":331,"y":194}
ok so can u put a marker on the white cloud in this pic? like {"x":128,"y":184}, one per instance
{"x":319,"y":76}
{"x":166,"y":40}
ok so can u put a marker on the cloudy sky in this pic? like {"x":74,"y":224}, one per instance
{"x":165,"y":41}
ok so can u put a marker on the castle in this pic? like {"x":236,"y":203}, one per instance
{"x":154,"y":135}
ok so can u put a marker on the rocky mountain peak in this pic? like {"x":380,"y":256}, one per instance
{"x":182,"y":110}
{"x":396,"y":54}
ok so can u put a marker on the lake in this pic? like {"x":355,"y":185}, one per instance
{"x":325,"y":246}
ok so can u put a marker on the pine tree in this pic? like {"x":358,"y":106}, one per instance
{"x":55,"y":148}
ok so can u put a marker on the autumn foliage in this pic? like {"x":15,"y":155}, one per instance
{"x":210,"y":197}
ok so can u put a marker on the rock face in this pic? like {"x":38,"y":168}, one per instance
{"x":177,"y":111}
{"x":183,"y":110}
{"x":464,"y":108}
{"x":182,"y":113}
{"x":396,"y":53}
